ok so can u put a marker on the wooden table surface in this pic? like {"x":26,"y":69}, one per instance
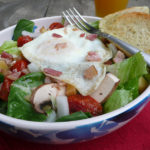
{"x":13,"y":10}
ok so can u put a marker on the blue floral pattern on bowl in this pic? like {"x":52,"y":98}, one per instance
{"x":78,"y":134}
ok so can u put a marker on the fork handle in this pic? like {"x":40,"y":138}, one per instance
{"x":125,"y":46}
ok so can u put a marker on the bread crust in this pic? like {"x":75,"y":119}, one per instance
{"x":131,"y":25}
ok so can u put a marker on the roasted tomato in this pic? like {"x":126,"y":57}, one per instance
{"x":4,"y":91}
{"x":85,"y":104}
{"x":19,"y":65}
{"x":56,"y":25}
{"x":23,"y":39}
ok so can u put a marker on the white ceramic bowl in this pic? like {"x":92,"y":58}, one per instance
{"x":73,"y":131}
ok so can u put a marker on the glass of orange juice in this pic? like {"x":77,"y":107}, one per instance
{"x":105,"y":7}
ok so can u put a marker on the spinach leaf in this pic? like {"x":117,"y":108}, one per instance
{"x":3,"y":107}
{"x":18,"y":105}
{"x":74,"y":116}
{"x":23,"y":25}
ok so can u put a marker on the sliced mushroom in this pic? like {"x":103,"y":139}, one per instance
{"x":43,"y":97}
{"x":105,"y":89}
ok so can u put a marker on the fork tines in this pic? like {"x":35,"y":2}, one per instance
{"x":74,"y":18}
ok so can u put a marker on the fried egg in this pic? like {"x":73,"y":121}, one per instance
{"x":65,"y":50}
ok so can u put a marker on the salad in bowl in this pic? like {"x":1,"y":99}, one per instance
{"x":61,"y":73}
{"x":57,"y":73}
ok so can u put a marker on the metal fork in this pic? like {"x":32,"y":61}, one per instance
{"x":74,"y":18}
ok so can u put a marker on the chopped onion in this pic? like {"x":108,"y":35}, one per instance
{"x":51,"y":117}
{"x":33,"y":68}
{"x":113,"y":49}
{"x":62,"y":106}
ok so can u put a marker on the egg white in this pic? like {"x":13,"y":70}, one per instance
{"x":69,"y":60}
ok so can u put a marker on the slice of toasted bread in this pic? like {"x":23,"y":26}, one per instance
{"x":131,"y":25}
{"x":109,"y":20}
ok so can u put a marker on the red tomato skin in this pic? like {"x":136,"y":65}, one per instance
{"x":4,"y":91}
{"x":85,"y":104}
{"x":56,"y":25}
{"x":23,"y":39}
{"x":19,"y":65}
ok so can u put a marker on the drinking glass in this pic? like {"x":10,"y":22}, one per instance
{"x":105,"y":7}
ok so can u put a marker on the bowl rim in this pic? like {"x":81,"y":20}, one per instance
{"x":24,"y":124}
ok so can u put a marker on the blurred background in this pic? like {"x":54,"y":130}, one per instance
{"x":13,"y":10}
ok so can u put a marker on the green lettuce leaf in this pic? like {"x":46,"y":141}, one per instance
{"x":23,"y":25}
{"x":129,"y":69}
{"x":18,"y":105}
{"x":74,"y":116}
{"x":132,"y":86}
{"x":10,"y":47}
{"x":95,"y":24}
{"x":118,"y":99}
{"x":129,"y":72}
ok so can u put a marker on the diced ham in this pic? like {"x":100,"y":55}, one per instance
{"x":93,"y":56}
{"x":6,"y":55}
{"x":59,"y":46}
{"x":91,"y":37}
{"x":56,"y":35}
{"x":49,"y":71}
{"x":14,"y":76}
{"x":82,"y":34}
{"x":90,"y":73}
{"x":119,"y":57}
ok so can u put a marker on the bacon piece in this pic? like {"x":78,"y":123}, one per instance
{"x":49,"y":71}
{"x":14,"y":76}
{"x":90,"y":73}
{"x":6,"y":55}
{"x":91,"y":37}
{"x":119,"y":57}
{"x":109,"y":62}
{"x":56,"y":35}
{"x":75,"y":29}
{"x":60,"y":46}
{"x":93,"y":56}
{"x":82,"y":34}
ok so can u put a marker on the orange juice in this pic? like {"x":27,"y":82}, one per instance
{"x":105,"y":7}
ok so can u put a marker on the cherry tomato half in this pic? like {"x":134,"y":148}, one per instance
{"x":4,"y":91}
{"x":19,"y":65}
{"x":56,"y":25}
{"x":23,"y":39}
